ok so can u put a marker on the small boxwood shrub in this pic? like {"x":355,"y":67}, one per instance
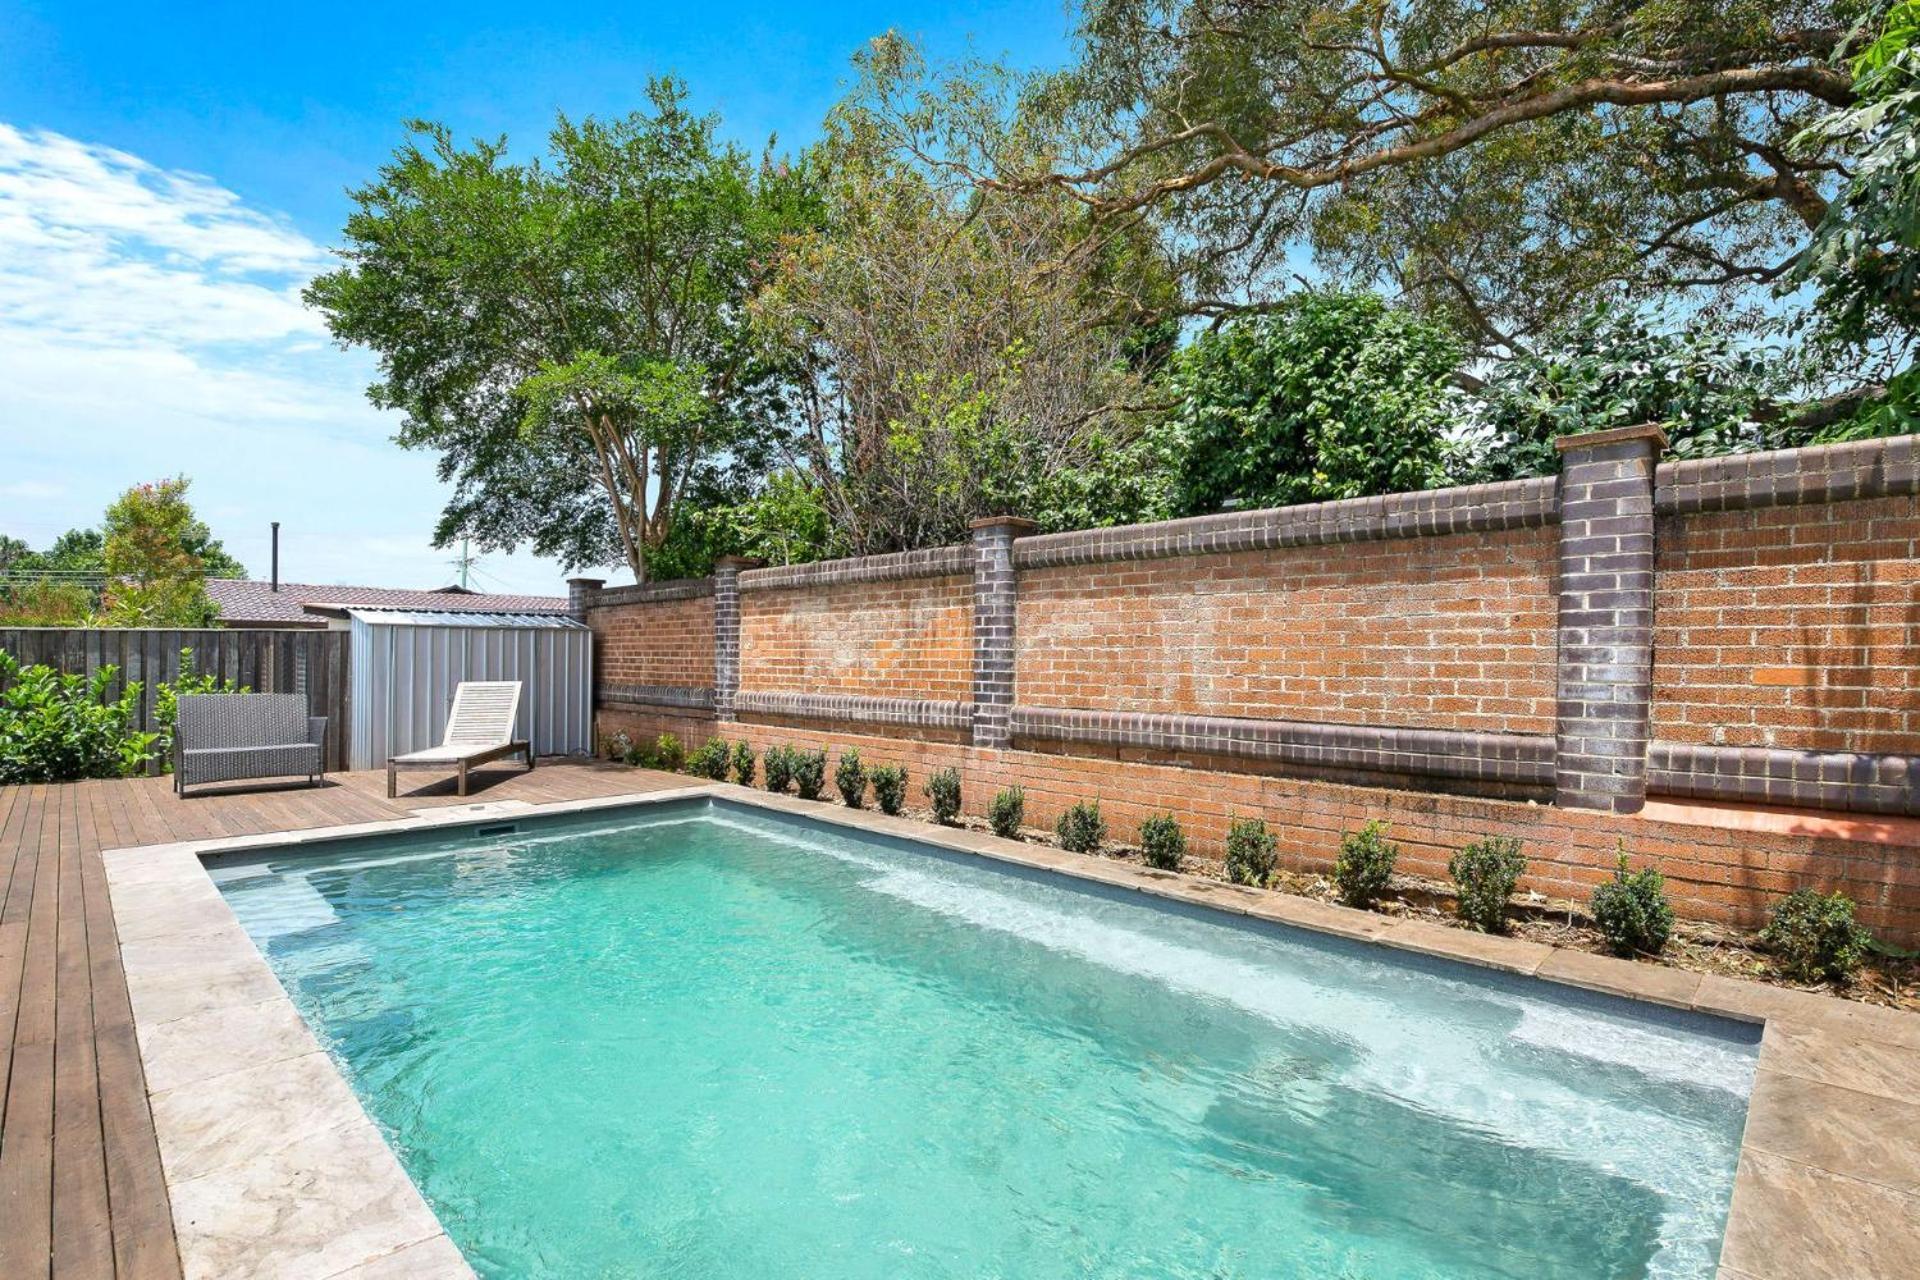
{"x":639,"y":757}
{"x":1162,"y":843}
{"x":1007,"y":812}
{"x":744,"y":763}
{"x":1484,"y":875}
{"x":779,"y":767}
{"x":850,"y":776}
{"x":943,"y":793}
{"x":809,"y":773}
{"x":1363,"y":870}
{"x":889,"y":787}
{"x":1081,"y":828}
{"x":1250,"y":852}
{"x":1632,"y":910}
{"x":711,"y":760}
{"x":669,"y":753}
{"x":1814,"y":936}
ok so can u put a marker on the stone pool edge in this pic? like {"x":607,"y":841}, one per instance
{"x":274,"y":1164}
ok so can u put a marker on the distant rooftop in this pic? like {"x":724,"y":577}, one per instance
{"x":244,"y":602}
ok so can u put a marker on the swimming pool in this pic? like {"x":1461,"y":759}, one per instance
{"x":704,"y":1040}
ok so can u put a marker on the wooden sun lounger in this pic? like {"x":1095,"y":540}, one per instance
{"x":479,"y":729}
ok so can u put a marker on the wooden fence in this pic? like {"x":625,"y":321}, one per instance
{"x":309,"y":662}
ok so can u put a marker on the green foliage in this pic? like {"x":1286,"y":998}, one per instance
{"x":711,"y":760}
{"x":45,"y":602}
{"x":1334,"y":395}
{"x":779,"y":767}
{"x":781,"y":519}
{"x":1081,"y":828}
{"x":1814,"y":936}
{"x":570,"y":336}
{"x":669,"y":754}
{"x":851,"y":778}
{"x":809,"y":772}
{"x":1363,"y":870}
{"x":943,"y":793}
{"x":153,"y":578}
{"x":1251,"y":852}
{"x":1162,"y":843}
{"x":889,"y":787}
{"x":166,"y":701}
{"x":1864,"y":258}
{"x":1484,"y":875}
{"x":60,"y":728}
{"x":744,"y":763}
{"x":1619,"y":367}
{"x":1007,"y":812}
{"x":1632,"y":910}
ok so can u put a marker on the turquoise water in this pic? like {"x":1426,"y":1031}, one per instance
{"x":709,"y":1042}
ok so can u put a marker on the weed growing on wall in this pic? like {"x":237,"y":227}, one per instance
{"x":1364,"y":868}
{"x":1484,"y":875}
{"x":889,"y":787}
{"x":1081,"y":828}
{"x":1007,"y":812}
{"x":1250,"y":852}
{"x":1162,"y":843}
{"x":943,"y":793}
{"x":851,"y":778}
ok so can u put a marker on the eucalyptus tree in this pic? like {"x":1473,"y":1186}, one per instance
{"x":569,"y":335}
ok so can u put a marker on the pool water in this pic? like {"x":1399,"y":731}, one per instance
{"x":705,"y":1041}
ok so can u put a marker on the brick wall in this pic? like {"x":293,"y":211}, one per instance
{"x":1713,"y":874}
{"x":660,"y":642}
{"x":1453,"y":632}
{"x":1791,"y":626}
{"x":899,"y":638}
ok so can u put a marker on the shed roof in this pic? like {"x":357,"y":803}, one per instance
{"x":465,"y":618}
{"x":245,"y":601}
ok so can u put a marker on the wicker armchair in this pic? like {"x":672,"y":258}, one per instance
{"x":227,"y":737}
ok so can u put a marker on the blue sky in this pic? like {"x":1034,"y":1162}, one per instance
{"x":170,"y":176}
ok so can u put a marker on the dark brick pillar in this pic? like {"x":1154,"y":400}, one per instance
{"x":726,"y":632}
{"x":580,"y":595}
{"x":1605,"y":678}
{"x":993,"y":612}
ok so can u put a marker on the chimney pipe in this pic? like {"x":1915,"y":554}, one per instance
{"x":276,"y":556}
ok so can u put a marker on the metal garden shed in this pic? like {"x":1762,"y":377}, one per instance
{"x":406,"y":662}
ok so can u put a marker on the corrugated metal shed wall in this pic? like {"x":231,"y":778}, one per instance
{"x":405,"y":667}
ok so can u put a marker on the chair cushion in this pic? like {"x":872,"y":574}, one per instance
{"x":223,"y":764}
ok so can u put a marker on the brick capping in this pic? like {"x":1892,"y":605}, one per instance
{"x":915,"y":713}
{"x":1604,"y":671}
{"x":1505,"y":504}
{"x":653,"y":592}
{"x":929,"y":562}
{"x":1486,"y":757}
{"x":654,"y":695}
{"x":1854,"y":470}
{"x":1764,"y":775}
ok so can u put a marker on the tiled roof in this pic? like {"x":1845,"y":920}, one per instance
{"x":245,"y":601}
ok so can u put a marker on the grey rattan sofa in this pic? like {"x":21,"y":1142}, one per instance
{"x":227,"y":737}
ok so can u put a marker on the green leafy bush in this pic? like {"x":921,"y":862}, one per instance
{"x":1081,"y":828}
{"x":889,"y":787}
{"x":809,"y":772}
{"x":1162,"y":843}
{"x":711,"y":760}
{"x":851,"y":778}
{"x":639,"y":757}
{"x":669,"y":754}
{"x":1250,"y":852}
{"x":779,"y":767}
{"x":60,"y":728}
{"x":1007,"y":812}
{"x":1484,"y":875}
{"x":1364,"y":868}
{"x":1814,"y":936}
{"x":744,"y":763}
{"x":1632,"y":910}
{"x":943,"y":793}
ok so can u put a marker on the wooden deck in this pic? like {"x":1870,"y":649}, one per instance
{"x":81,"y":1191}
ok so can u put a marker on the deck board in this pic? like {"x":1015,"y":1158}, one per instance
{"x":82,"y":1190}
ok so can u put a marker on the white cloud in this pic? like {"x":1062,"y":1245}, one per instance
{"x":151,"y":323}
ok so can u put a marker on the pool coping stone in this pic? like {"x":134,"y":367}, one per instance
{"x":281,"y":1179}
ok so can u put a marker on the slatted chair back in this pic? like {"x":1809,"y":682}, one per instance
{"x":213,"y":720}
{"x":483,"y":713}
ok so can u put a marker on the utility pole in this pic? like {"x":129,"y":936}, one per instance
{"x":463,"y":562}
